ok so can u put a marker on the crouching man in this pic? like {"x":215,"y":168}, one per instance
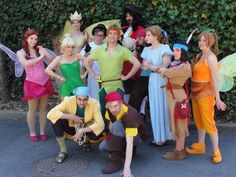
{"x":127,"y":130}
{"x":69,"y":116}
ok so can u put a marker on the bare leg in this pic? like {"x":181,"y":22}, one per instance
{"x":217,"y":157}
{"x":33,"y":104}
{"x":180,"y":140}
{"x":214,"y":141}
{"x":201,"y":135}
{"x":43,"y":105}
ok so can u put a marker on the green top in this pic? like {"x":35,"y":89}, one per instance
{"x":111,"y":65}
{"x":80,"y":111}
{"x":71,"y":72}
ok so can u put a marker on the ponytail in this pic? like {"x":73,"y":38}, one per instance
{"x":164,"y":38}
{"x":215,"y":45}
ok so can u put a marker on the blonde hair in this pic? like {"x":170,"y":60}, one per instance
{"x":211,"y":38}
{"x":67,"y":41}
{"x":157,"y":31}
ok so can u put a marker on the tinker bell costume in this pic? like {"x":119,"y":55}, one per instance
{"x":71,"y":72}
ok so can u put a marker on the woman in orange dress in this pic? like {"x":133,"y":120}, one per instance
{"x":205,"y":95}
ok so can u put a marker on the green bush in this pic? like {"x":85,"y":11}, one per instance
{"x":177,"y":17}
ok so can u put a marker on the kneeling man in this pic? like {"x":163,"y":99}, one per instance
{"x":127,"y":129}
{"x":69,"y":116}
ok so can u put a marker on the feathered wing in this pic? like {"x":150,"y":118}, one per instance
{"x":227,"y":72}
{"x":19,"y":69}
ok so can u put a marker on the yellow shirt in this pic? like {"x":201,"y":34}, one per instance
{"x":92,"y":115}
{"x":128,"y":131}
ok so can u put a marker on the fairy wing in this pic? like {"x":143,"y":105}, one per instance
{"x":107,"y":23}
{"x":227,"y":72}
{"x":225,"y":81}
{"x":67,"y":29}
{"x":50,"y":52}
{"x":19,"y":69}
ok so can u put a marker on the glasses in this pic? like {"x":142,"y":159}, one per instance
{"x":99,"y":35}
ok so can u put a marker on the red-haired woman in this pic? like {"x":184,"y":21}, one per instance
{"x":37,"y":85}
{"x":205,"y":95}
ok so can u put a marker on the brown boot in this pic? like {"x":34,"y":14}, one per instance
{"x":115,"y":165}
{"x":112,"y":168}
{"x":117,"y":146}
{"x":175,"y":155}
{"x":170,"y":152}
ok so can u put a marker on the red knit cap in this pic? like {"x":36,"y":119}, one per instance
{"x":113,"y":96}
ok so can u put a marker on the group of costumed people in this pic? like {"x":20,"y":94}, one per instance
{"x":105,"y":102}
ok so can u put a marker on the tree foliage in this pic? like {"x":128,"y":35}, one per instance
{"x":177,"y":17}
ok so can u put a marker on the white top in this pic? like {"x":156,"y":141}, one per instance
{"x":128,"y":31}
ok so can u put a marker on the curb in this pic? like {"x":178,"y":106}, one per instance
{"x":13,"y":115}
{"x":222,"y":127}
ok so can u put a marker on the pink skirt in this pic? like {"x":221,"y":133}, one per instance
{"x":36,"y":91}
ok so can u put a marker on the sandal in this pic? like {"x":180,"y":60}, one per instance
{"x":61,"y":157}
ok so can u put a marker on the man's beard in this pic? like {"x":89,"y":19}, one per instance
{"x":129,"y":22}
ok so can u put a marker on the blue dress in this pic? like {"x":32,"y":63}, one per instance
{"x":157,"y":95}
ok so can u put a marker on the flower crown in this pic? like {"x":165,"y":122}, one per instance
{"x":75,"y":16}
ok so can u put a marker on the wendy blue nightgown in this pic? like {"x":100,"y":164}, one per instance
{"x":157,"y":94}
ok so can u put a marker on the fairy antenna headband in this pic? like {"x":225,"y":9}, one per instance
{"x":75,"y":16}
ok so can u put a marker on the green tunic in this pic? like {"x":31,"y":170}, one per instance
{"x":111,"y":65}
{"x":71,"y":72}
